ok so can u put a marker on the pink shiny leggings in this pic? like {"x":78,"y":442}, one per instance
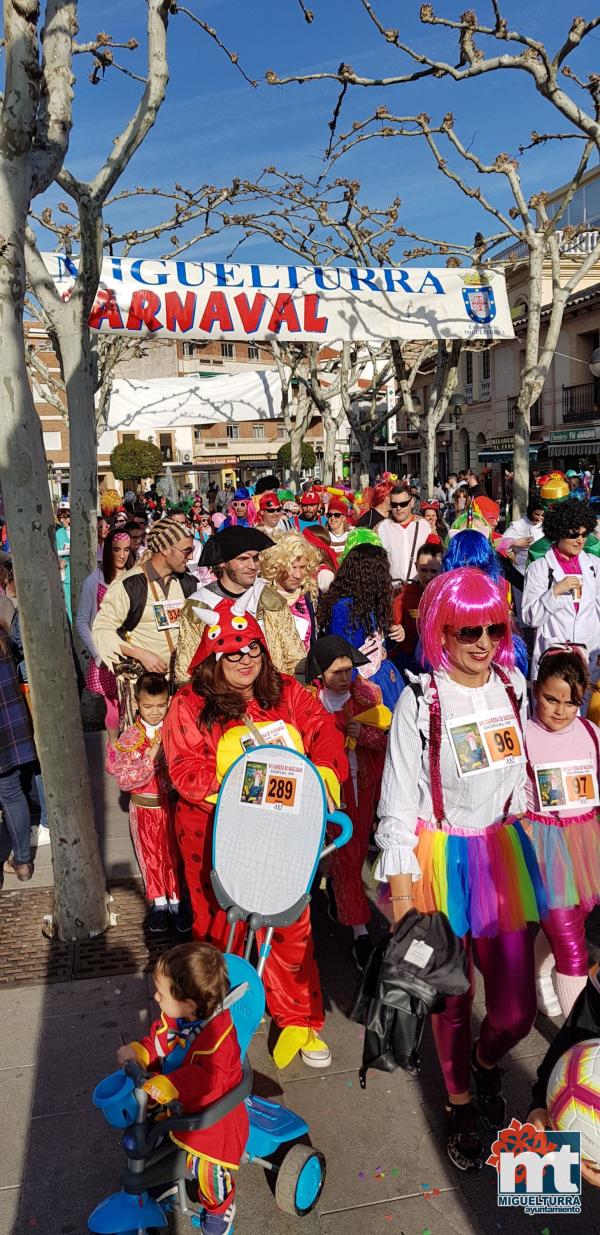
{"x":507,"y":966}
{"x":565,"y":931}
{"x":111,"y":720}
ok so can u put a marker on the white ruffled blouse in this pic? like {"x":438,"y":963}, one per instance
{"x":471,"y":803}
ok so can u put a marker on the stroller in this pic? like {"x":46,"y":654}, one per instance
{"x":269,"y":833}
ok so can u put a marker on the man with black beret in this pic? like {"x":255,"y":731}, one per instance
{"x":234,"y":555}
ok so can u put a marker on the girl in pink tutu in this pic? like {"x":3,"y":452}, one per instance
{"x":117,"y":557}
{"x":563,"y":757}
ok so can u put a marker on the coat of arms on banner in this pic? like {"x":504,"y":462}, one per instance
{"x":479,"y":298}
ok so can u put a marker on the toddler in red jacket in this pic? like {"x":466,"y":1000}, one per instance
{"x":193,"y":1053}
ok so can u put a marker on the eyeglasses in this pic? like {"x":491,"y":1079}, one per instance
{"x":254,"y":650}
{"x":471,"y":634}
{"x":576,"y":534}
{"x":400,"y":505}
{"x":334,"y":515}
{"x":273,"y":510}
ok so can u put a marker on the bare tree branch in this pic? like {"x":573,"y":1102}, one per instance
{"x":212,"y":33}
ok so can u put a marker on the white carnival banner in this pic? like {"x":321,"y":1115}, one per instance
{"x":222,"y":300}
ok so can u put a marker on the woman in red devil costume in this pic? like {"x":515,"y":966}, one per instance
{"x":234,"y":691}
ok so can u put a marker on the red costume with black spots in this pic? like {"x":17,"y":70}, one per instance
{"x":198,"y":758}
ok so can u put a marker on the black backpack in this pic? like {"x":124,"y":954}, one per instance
{"x":407,"y":976}
{"x":136,"y":587}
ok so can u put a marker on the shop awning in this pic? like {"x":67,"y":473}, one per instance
{"x":560,"y":450}
{"x":504,"y":456}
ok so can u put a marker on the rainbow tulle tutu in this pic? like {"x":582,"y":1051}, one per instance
{"x":568,"y":855}
{"x":484,"y":883}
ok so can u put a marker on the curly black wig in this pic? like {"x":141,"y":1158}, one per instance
{"x":364,"y":577}
{"x":563,"y":517}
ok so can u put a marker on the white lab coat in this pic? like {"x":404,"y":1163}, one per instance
{"x":518,"y":529}
{"x":555,"y":618}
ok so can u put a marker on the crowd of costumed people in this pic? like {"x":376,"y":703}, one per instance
{"x":438,"y":664}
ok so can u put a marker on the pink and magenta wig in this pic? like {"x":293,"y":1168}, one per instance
{"x":464,"y":597}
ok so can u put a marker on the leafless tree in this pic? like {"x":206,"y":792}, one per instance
{"x":86,"y":371}
{"x":486,"y":49}
{"x":35,"y":122}
{"x":536,"y":237}
{"x":326,"y":221}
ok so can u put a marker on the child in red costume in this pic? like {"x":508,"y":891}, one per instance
{"x":364,"y":721}
{"x":140,"y":770}
{"x":193,"y":1049}
{"x":235,"y":685}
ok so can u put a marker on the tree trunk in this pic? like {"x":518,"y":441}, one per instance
{"x":78,"y":372}
{"x":80,"y":894}
{"x":521,"y":457}
{"x":364,"y":463}
{"x":296,"y":440}
{"x":330,"y":434}
{"x":428,"y":444}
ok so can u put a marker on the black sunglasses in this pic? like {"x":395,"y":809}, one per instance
{"x":575,"y":534}
{"x":273,"y":510}
{"x":471,"y":634}
{"x":253,"y":650}
{"x":400,"y":505}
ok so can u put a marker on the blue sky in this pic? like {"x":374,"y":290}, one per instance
{"x":214,"y":126}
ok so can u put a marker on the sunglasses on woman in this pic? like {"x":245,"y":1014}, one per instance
{"x":472,"y":634}
{"x":575,"y":534}
{"x":253,"y":650}
{"x":334,"y":515}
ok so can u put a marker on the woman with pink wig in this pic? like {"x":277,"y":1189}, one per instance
{"x":452,"y":792}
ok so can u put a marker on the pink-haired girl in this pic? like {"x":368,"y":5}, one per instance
{"x":563,"y":753}
{"x":451,"y":839}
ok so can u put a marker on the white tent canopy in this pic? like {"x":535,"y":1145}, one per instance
{"x":138,"y":405}
{"x":176,"y":406}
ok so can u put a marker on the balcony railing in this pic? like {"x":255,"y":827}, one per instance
{"x":469,"y":392}
{"x":485,"y":389}
{"x":580,"y":402}
{"x":582,"y":243}
{"x":535,"y":413}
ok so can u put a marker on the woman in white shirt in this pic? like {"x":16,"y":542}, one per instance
{"x":521,"y":534}
{"x":561,"y":597}
{"x":116,"y":559}
{"x":453,"y":787}
{"x":337,"y":524}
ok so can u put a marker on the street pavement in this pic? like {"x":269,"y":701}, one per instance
{"x":386,"y":1168}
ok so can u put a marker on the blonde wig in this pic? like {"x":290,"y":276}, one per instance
{"x":277,"y":562}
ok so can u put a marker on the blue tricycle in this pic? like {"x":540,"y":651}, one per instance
{"x":269,"y":835}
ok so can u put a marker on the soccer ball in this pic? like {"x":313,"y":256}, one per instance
{"x":573,"y":1098}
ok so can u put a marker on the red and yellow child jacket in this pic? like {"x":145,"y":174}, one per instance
{"x":210,"y":1067}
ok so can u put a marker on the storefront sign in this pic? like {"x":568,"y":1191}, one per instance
{"x":505,"y":442}
{"x":223,"y":300}
{"x":575,"y":435}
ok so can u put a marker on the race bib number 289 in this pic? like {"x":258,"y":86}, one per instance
{"x":281,"y":791}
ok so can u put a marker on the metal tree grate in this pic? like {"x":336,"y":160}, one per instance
{"x":27,"y":957}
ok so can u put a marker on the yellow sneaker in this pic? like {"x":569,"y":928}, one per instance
{"x":291,"y":1040}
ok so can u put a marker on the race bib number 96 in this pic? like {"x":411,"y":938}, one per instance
{"x":483,"y":741}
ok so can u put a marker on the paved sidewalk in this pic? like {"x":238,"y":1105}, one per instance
{"x":386,"y":1170}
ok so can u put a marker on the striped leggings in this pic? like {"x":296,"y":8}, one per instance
{"x":216,"y":1183}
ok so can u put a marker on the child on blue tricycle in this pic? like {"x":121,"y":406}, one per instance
{"x":193,"y":1056}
